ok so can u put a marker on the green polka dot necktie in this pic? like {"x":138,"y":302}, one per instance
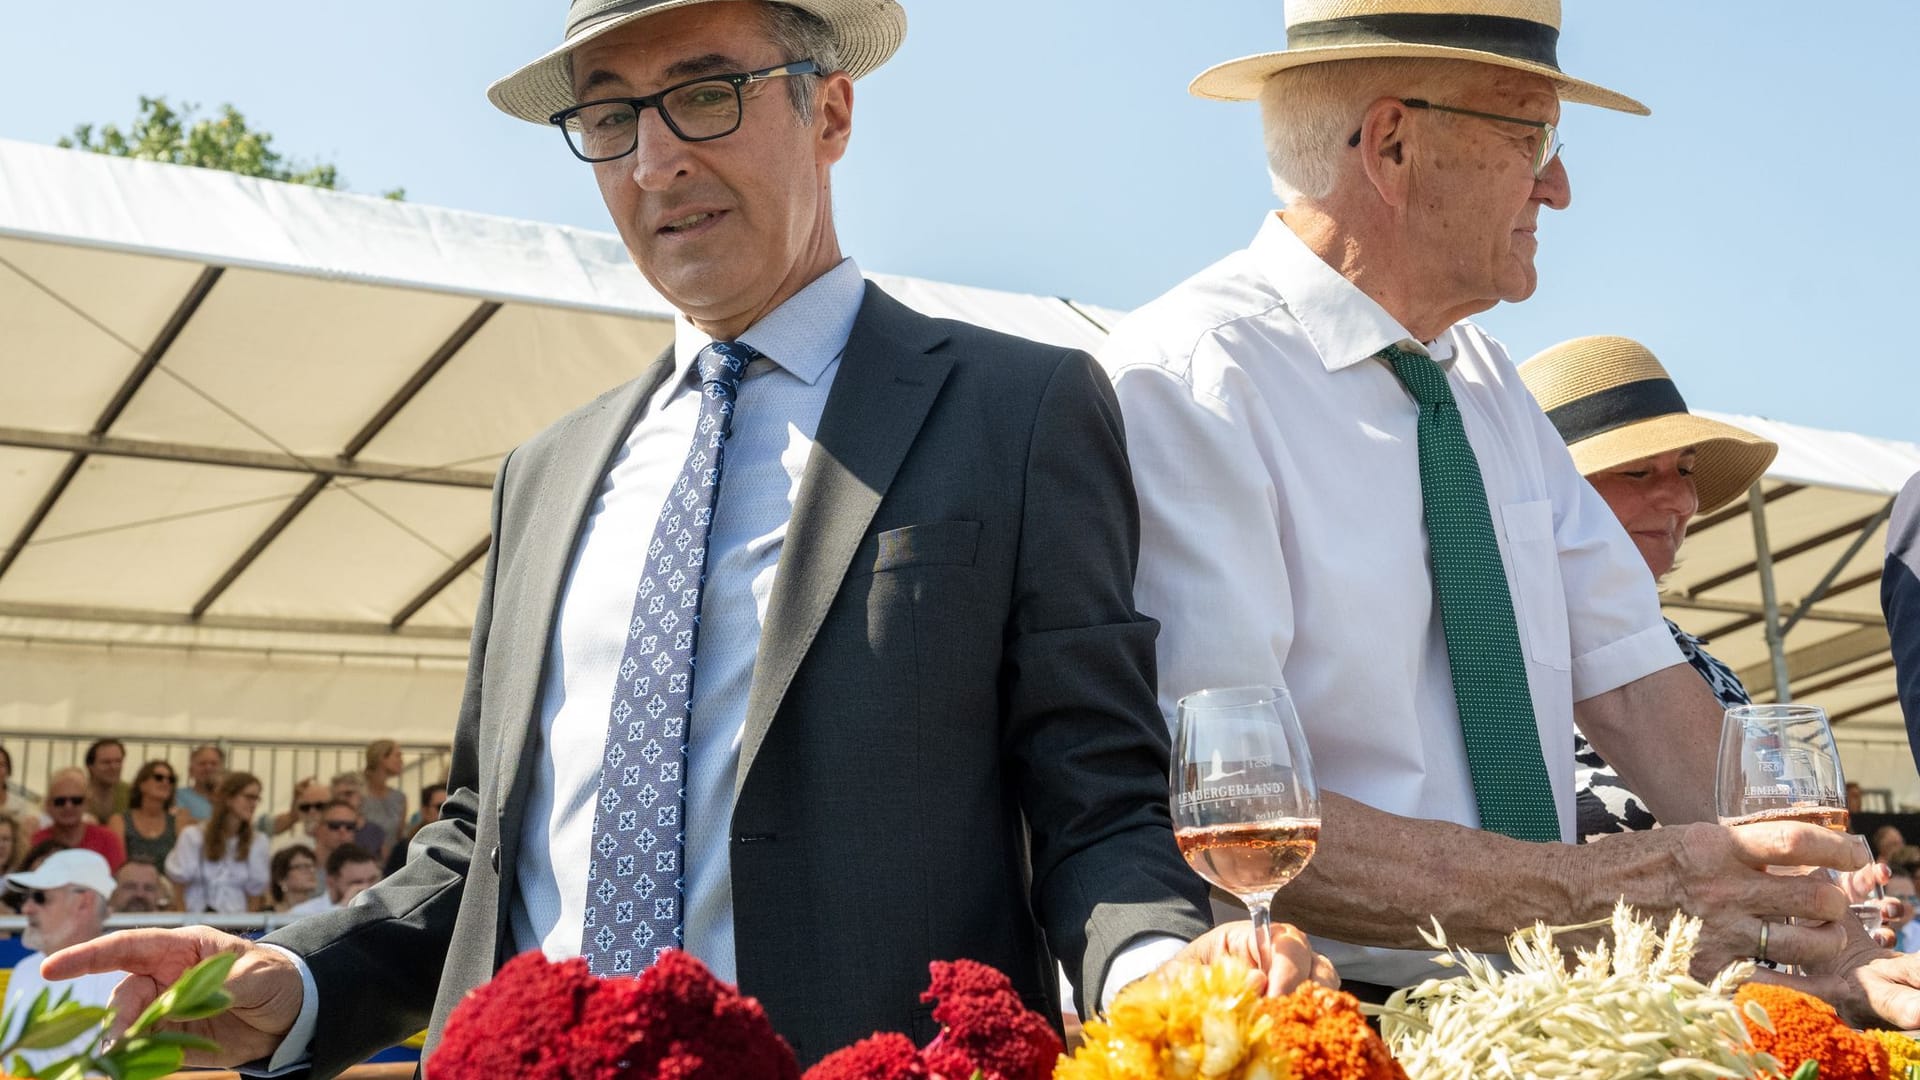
{"x":1476,"y":615}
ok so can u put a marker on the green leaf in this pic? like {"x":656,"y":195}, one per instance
{"x":1808,"y":1070}
{"x":196,"y":995}
{"x":147,"y":1062}
{"x":174,"y":1038}
{"x":61,"y":1026}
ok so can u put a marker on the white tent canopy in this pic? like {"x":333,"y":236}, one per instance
{"x":247,"y":431}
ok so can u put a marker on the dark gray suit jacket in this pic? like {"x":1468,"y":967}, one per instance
{"x":952,"y":747}
{"x":1900,"y":602}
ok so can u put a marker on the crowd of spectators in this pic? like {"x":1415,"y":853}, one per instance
{"x":200,"y":842}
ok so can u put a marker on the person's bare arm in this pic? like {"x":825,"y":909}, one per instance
{"x":1377,"y":877}
{"x":1662,"y":734}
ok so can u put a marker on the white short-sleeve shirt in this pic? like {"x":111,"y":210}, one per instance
{"x":1283,"y":537}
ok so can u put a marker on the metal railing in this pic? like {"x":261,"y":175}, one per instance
{"x":279,"y":763}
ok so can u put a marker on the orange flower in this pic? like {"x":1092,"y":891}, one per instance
{"x":1806,"y":1028}
{"x":1325,"y":1036}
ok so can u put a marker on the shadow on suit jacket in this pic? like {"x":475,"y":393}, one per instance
{"x":952,"y":746}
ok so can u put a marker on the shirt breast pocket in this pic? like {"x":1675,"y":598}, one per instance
{"x":1540,"y":601}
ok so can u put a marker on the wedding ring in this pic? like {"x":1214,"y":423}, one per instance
{"x":1761,"y":955}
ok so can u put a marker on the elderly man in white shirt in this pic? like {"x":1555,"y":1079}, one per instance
{"x":66,"y":904}
{"x":1306,"y":415}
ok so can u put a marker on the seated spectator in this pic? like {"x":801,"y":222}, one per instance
{"x":138,"y":887}
{"x":1887,"y":839}
{"x":338,"y":823}
{"x":66,"y":904}
{"x":351,"y":870}
{"x":66,"y":805}
{"x":431,"y":797}
{"x":152,"y":823}
{"x":350,"y":788}
{"x":13,"y":843}
{"x":1656,"y":471}
{"x":204,"y":769}
{"x":302,"y":817}
{"x":384,"y":805}
{"x":1902,"y":887}
{"x":21,"y":810}
{"x":223,"y":862}
{"x":294,"y":878}
{"x":107,"y":794}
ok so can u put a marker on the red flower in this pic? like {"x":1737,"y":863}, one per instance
{"x":889,"y":1056}
{"x":986,"y":1027}
{"x":542,"y":1021}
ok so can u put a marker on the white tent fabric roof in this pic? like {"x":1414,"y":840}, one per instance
{"x":249,"y":427}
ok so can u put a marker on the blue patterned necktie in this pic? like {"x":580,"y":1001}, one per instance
{"x":634,"y":889}
{"x":1476,"y":615}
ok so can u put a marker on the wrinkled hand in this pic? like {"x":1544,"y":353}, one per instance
{"x":1869,"y":985}
{"x":1719,"y":875}
{"x":1280,"y":963}
{"x":265,"y":986}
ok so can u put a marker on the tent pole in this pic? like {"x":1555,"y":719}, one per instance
{"x":1819,"y":592}
{"x":1770,"y":602}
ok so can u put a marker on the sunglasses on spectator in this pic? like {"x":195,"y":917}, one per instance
{"x":165,"y":778}
{"x":309,"y":807}
{"x":67,"y":800}
{"x":39,"y":896}
{"x":338,"y":824}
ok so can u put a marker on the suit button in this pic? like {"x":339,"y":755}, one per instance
{"x":493,"y":858}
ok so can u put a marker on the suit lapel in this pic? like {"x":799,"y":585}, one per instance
{"x":886,"y":384}
{"x":560,"y":489}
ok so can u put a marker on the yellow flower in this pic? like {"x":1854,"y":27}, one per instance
{"x":1191,"y":1023}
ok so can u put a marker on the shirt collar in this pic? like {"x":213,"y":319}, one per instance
{"x":803,"y":335}
{"x":1345,"y":324}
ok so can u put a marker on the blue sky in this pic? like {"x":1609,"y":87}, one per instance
{"x":1756,"y":231}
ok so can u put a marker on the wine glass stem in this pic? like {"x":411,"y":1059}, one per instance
{"x":1261,"y":915}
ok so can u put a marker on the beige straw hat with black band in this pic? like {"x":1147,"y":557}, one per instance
{"x":1519,"y":34}
{"x":1613,"y":403}
{"x":867,"y":31}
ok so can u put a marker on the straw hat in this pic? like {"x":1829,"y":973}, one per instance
{"x":867,"y":31}
{"x":1613,"y":403}
{"x":1519,"y":34}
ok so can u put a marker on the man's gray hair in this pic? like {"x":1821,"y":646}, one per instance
{"x":1308,"y":113}
{"x":802,"y":35}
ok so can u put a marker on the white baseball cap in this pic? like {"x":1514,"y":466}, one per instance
{"x":74,"y":866}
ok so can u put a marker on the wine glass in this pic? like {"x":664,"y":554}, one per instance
{"x":1778,"y":763}
{"x":1246,"y":811}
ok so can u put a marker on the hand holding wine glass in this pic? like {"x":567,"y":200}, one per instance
{"x":1246,"y":811}
{"x":1779,"y":763}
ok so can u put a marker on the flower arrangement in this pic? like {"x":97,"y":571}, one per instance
{"x":142,"y":1053}
{"x":1628,"y":1009}
{"x":986,"y":1033}
{"x":539,"y":1020}
{"x":1796,"y":1027}
{"x":1210,"y":1022}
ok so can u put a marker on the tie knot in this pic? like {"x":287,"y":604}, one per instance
{"x":1419,"y":374}
{"x":722,"y":363}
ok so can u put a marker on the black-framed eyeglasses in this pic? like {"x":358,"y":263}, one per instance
{"x":695,"y":111}
{"x":1548,"y":148}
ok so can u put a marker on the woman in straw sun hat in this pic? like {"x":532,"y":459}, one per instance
{"x":1656,"y":465}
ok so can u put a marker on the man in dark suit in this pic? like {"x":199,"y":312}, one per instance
{"x":1900,"y":602}
{"x":925,"y":726}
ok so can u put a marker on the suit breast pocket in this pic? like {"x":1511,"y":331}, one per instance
{"x":1539,"y":602}
{"x":936,"y":543}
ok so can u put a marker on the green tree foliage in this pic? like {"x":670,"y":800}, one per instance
{"x":225,"y":142}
